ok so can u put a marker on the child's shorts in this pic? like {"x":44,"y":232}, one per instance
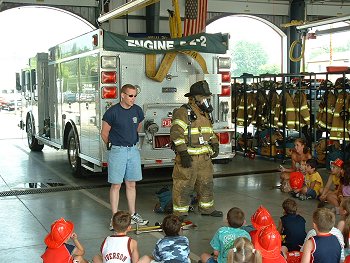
{"x":212,"y":260}
{"x":154,"y":261}
{"x":311,"y":192}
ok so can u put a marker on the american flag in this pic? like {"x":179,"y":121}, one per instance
{"x":195,"y":16}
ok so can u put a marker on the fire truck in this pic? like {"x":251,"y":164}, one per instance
{"x":66,"y":91}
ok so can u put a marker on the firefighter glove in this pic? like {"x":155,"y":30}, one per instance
{"x":215,"y":147}
{"x":186,"y":160}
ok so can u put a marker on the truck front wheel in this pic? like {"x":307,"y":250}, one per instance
{"x":33,"y":142}
{"x":73,"y":154}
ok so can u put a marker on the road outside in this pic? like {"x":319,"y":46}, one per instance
{"x":9,"y":125}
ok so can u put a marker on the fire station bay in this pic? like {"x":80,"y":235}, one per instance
{"x":204,"y":130}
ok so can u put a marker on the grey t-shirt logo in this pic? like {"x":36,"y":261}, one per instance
{"x":134,"y":119}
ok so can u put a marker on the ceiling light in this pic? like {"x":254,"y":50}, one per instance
{"x":125,"y":9}
{"x":324,"y":22}
{"x":332,"y":30}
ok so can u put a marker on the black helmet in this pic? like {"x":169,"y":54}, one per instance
{"x":199,"y":88}
{"x":343,"y":81}
{"x":326,"y":84}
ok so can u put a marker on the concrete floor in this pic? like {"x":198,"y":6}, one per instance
{"x":26,"y":215}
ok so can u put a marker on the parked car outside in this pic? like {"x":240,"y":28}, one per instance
{"x":69,"y":97}
{"x":10,"y":106}
{"x":2,"y":101}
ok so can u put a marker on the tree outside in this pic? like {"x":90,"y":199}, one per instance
{"x":255,"y":48}
{"x":251,"y":57}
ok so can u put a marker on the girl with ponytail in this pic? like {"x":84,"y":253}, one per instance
{"x":243,"y":251}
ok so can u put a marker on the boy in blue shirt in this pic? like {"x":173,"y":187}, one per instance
{"x":291,"y":226}
{"x":171,"y":248}
{"x":225,"y":236}
{"x":324,"y":247}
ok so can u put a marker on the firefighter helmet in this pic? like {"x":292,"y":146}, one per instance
{"x":199,"y":88}
{"x":325,"y":83}
{"x":261,"y":218}
{"x":296,"y":180}
{"x":342,"y":82}
{"x":338,"y":162}
{"x":268,"y":242}
{"x":60,"y":231}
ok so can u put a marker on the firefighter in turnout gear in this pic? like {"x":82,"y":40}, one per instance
{"x":339,"y":130}
{"x":195,"y":144}
{"x":324,"y":116}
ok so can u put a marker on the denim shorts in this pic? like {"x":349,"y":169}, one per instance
{"x":124,"y":164}
{"x":311,"y":192}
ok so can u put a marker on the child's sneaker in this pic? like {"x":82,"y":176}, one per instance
{"x":303,"y":197}
{"x":295,"y":195}
{"x":137,"y":219}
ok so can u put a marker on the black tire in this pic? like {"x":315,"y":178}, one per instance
{"x":33,"y":143}
{"x":73,"y":154}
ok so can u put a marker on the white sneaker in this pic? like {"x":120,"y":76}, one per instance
{"x":111,"y":225}
{"x":302,"y":197}
{"x":137,"y":219}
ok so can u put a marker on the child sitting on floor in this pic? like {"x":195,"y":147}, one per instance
{"x":324,"y":247}
{"x":313,"y":181}
{"x":344,"y":223}
{"x":330,"y":192}
{"x":292,"y":227}
{"x":268,"y":242}
{"x":243,"y":251}
{"x":225,"y":236}
{"x":171,"y":248}
{"x":119,"y":246}
{"x":57,"y":248}
{"x":344,"y":192}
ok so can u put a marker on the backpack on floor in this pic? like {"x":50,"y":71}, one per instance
{"x":165,"y":203}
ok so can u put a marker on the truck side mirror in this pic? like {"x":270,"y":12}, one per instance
{"x":18,"y":82}
{"x":33,"y":79}
{"x":27,"y":81}
{"x":23,"y":81}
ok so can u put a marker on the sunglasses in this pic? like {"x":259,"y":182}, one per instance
{"x":130,"y":95}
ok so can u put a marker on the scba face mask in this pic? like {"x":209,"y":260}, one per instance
{"x":205,"y":106}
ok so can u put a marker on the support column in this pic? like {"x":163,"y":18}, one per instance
{"x":297,"y":12}
{"x":152,"y":18}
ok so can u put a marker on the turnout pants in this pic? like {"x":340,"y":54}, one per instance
{"x":197,"y":178}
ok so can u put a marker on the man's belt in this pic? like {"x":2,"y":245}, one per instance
{"x":131,"y":145}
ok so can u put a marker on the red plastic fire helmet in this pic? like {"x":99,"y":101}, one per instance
{"x":338,"y":162}
{"x":60,"y":231}
{"x":261,"y":218}
{"x":296,"y":180}
{"x":268,"y":242}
